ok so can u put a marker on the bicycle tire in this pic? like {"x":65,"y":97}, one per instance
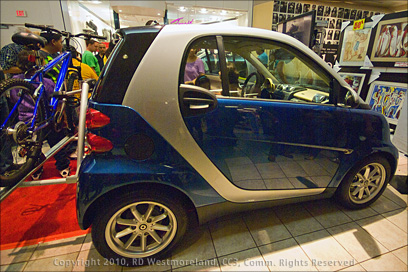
{"x":72,"y":77}
{"x":20,"y":151}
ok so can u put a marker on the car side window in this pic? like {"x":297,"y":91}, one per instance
{"x":270,"y":70}
{"x":201,"y":65}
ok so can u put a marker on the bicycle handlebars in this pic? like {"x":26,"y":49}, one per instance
{"x":64,"y":33}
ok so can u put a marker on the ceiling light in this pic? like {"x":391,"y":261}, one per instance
{"x":223,"y":12}
{"x":96,"y":2}
{"x":182,"y":9}
{"x":120,"y":10}
{"x":203,"y":10}
{"x":158,"y":14}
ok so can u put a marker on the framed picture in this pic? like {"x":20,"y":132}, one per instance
{"x":387,"y":98}
{"x":300,"y":27}
{"x":391,"y":39}
{"x":354,"y":46}
{"x":355,"y":80}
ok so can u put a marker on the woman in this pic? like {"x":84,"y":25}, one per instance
{"x":194,"y":67}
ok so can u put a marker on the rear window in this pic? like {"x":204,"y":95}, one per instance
{"x":122,"y":64}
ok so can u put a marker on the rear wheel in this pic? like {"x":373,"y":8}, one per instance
{"x":20,"y":147}
{"x":365,"y":183}
{"x":137,"y":226}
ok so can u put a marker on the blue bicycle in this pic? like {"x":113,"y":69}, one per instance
{"x":22,"y":139}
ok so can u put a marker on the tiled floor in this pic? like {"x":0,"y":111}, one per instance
{"x":311,"y":236}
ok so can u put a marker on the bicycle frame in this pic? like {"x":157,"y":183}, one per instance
{"x":63,"y":59}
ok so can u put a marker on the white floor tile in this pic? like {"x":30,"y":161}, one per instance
{"x":202,"y":249}
{"x":398,"y":218}
{"x":17,"y":255}
{"x":327,"y":213}
{"x":384,"y":232}
{"x":265,"y":227}
{"x":16,"y":267}
{"x":402,"y":254}
{"x":359,"y":243}
{"x":297,"y":219}
{"x":247,"y":260}
{"x":58,"y":247}
{"x":386,"y":262}
{"x":286,"y":255}
{"x":324,"y":251}
{"x":231,"y":236}
{"x":57,"y":263}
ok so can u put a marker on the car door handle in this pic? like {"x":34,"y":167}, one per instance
{"x":195,"y":100}
{"x":198,"y":103}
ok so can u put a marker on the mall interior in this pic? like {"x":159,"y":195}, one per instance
{"x":310,"y":236}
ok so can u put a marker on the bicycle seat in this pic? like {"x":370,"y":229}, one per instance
{"x":30,"y":40}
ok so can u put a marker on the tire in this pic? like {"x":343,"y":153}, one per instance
{"x":19,"y":151}
{"x":365,"y":183}
{"x":159,"y":236}
{"x":73,"y":76}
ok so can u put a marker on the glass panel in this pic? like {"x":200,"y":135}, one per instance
{"x":269,"y":69}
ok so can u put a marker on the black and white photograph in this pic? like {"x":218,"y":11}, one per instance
{"x":327,"y":11}
{"x":275,"y":18}
{"x":276,"y":6}
{"x":340,"y":13}
{"x":291,"y":7}
{"x":283,"y":6}
{"x":320,"y":10}
{"x":359,"y":15}
{"x":306,"y":8}
{"x":334,"y":12}
{"x":346,"y":14}
{"x":298,"y":9}
{"x":338,"y":23}
{"x":353,"y":14}
{"x":282,"y":17}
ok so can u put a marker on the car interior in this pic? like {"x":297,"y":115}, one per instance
{"x":286,"y":75}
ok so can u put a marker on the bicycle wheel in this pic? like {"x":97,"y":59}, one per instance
{"x":72,"y":82}
{"x":20,"y":147}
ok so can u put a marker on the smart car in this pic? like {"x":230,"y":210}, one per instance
{"x":168,"y":155}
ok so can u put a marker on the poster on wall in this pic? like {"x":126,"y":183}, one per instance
{"x":391,"y":41}
{"x":387,"y":98}
{"x":355,"y":45}
{"x":355,"y":80}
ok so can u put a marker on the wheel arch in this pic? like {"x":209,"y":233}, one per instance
{"x":106,"y":198}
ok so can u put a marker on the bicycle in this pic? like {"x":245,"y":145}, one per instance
{"x":22,"y":141}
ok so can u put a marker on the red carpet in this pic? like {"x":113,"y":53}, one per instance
{"x":38,"y":214}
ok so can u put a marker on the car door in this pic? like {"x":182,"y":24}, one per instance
{"x":278,"y":129}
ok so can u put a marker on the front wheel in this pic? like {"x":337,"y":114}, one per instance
{"x":365,"y":183}
{"x":138,"y":226}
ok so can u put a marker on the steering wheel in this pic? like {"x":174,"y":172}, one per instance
{"x":251,"y":90}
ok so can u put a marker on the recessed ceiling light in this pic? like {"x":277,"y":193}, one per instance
{"x":223,"y":12}
{"x":182,"y":9}
{"x":120,"y":10}
{"x":158,"y":14}
{"x":203,"y":10}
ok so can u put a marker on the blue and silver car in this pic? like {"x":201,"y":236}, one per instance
{"x":168,"y":154}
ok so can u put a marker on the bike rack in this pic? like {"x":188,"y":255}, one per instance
{"x":79,"y":136}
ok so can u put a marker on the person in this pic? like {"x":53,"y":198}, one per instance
{"x":194,"y":67}
{"x":52,"y":48}
{"x":101,"y":56}
{"x":8,"y":56}
{"x":88,"y":56}
{"x":26,"y":110}
{"x":86,"y":71}
{"x":262,"y":56}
